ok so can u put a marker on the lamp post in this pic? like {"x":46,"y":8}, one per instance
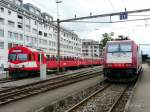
{"x":58,"y":2}
{"x":58,"y":36}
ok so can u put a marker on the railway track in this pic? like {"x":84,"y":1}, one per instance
{"x":5,"y":80}
{"x":110,"y":98}
{"x":16,"y":93}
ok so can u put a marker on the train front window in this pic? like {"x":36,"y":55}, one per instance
{"x":125,"y":47}
{"x":22,"y":57}
{"x":113,"y":48}
{"x":12,"y":57}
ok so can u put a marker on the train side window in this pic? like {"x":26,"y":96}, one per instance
{"x":67,"y":58}
{"x":60,"y":58}
{"x":70,"y":58}
{"x":53,"y":58}
{"x":64,"y":58}
{"x":48,"y":57}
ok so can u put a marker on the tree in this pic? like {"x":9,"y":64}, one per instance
{"x":105,"y":38}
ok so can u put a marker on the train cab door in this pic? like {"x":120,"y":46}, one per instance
{"x":31,"y":57}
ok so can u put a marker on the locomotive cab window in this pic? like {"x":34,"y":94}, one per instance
{"x":125,"y":47}
{"x":119,"y":48}
{"x":113,"y":48}
{"x":12,"y":57}
{"x":22,"y":57}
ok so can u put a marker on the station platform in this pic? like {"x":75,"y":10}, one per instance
{"x":140,"y":101}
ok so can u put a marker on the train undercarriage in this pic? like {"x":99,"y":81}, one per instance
{"x":121,"y":74}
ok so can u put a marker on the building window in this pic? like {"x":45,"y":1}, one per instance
{"x":2,"y":21}
{"x":9,"y":12}
{"x":1,"y":33}
{"x":45,"y":26}
{"x":20,"y":17}
{"x":50,"y":35}
{"x":27,"y":21}
{"x":11,"y":23}
{"x":20,"y":37}
{"x":10,"y":34}
{"x":20,"y":25}
{"x":35,"y":22}
{"x":27,"y":28}
{"x":27,"y":38}
{"x":1,"y":45}
{"x":34,"y":31}
{"x":45,"y":34}
{"x":10,"y":45}
{"x":40,"y":25}
{"x":16,"y":36}
{"x":40,"y":32}
{"x":40,"y":41}
{"x":49,"y":27}
{"x":2,"y":9}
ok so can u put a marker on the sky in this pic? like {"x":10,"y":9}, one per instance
{"x":138,"y":31}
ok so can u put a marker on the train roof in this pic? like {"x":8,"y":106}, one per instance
{"x":24,"y":48}
{"x":121,"y":41}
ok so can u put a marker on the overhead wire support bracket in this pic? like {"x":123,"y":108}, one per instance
{"x":104,"y":15}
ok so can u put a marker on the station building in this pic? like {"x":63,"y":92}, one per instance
{"x":25,"y":24}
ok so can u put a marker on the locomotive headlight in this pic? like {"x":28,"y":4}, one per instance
{"x":109,"y":65}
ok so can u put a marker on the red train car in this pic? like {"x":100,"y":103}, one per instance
{"x":122,"y":60}
{"x":24,"y":61}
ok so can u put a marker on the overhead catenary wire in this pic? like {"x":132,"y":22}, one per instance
{"x":111,"y":21}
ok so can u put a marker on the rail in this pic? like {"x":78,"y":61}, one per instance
{"x":106,"y":99}
{"x":16,"y":93}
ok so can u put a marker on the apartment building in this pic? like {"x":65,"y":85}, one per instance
{"x":25,"y":24}
{"x":90,"y":48}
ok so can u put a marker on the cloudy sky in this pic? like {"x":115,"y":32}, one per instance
{"x":138,"y":30}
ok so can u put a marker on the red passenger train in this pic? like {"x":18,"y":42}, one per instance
{"x":24,"y":61}
{"x":122,"y":60}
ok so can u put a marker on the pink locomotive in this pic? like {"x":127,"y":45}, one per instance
{"x":122,"y":60}
{"x":24,"y":61}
